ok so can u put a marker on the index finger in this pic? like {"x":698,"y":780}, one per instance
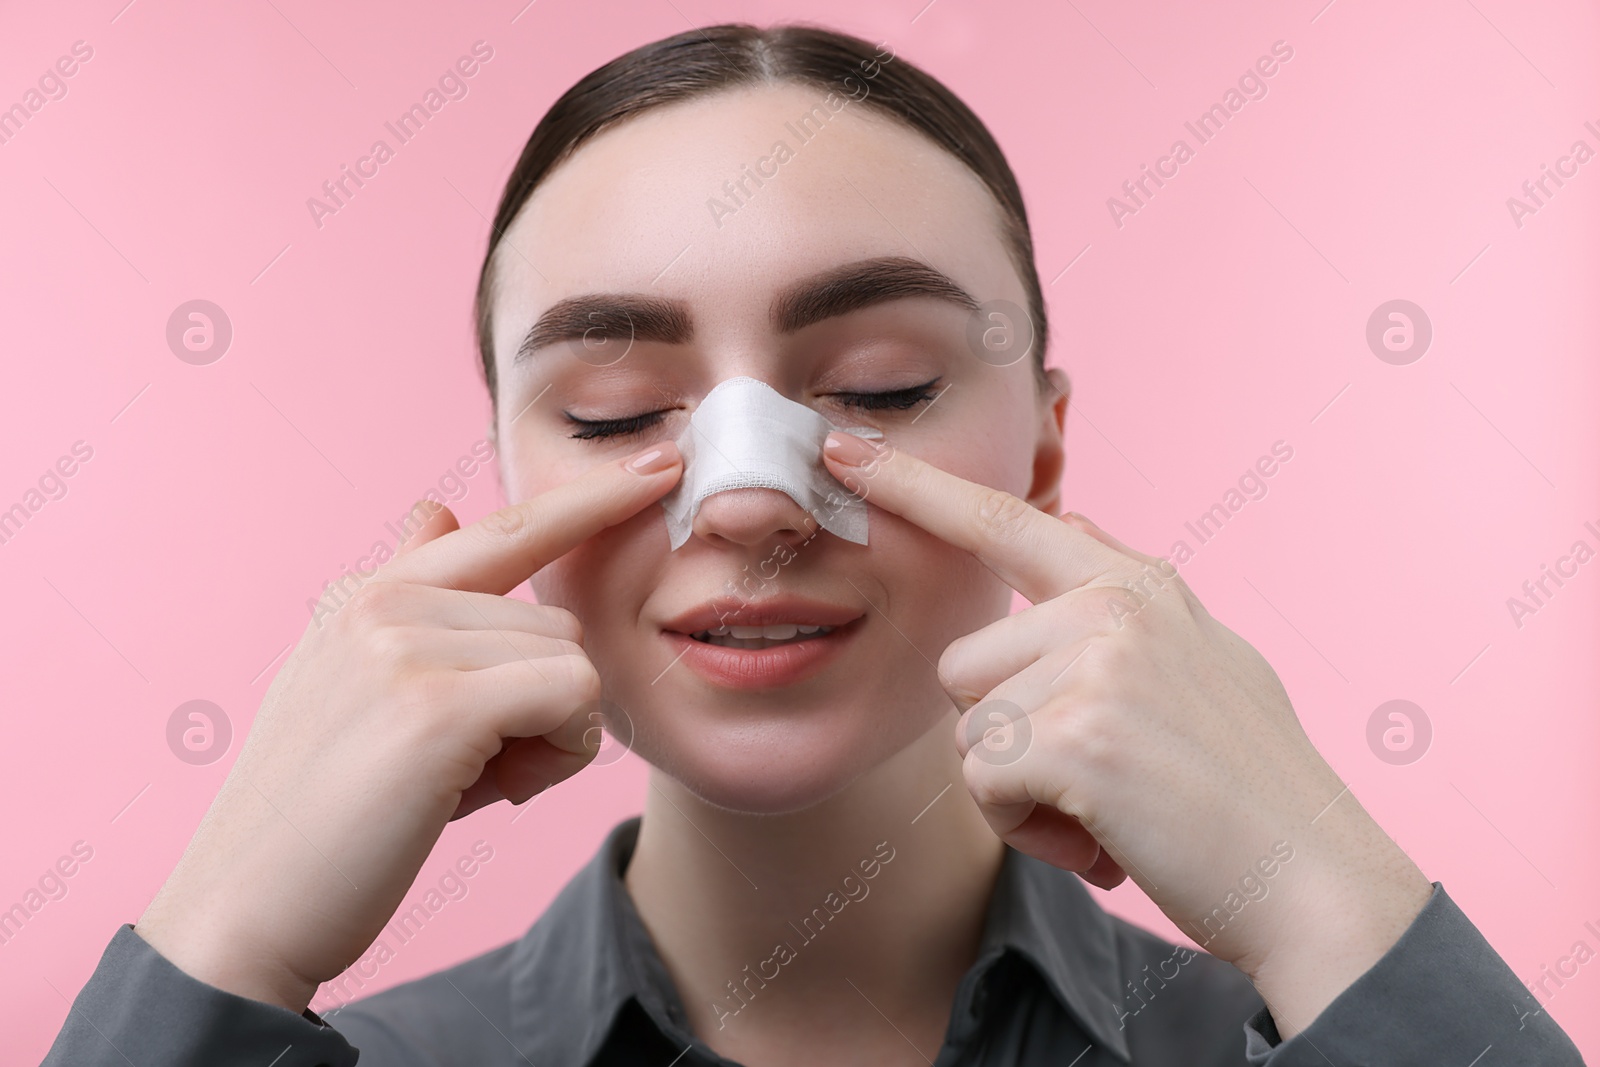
{"x":1034,"y":553}
{"x":503,"y":549}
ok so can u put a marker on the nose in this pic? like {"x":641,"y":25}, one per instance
{"x":753,"y":517}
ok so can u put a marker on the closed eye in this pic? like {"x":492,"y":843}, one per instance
{"x":628,"y":426}
{"x":633,"y":425}
{"x":890,"y":400}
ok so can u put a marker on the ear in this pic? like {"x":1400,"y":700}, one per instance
{"x":1050,"y":450}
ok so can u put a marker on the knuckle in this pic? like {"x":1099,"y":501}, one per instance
{"x":1066,"y":667}
{"x":1122,"y":607}
{"x":982,"y":783}
{"x":1140,"y":608}
{"x":1067,"y":733}
{"x":560,"y":622}
{"x":425,"y":693}
{"x":1146,"y":582}
{"x":1098,"y":751}
{"x":375,"y":604}
{"x":579,"y":675}
{"x":955,"y":665}
{"x":509,"y":522}
{"x":1083,"y":738}
{"x":1110,"y":660}
{"x":1191,"y":602}
{"x":562,"y":648}
{"x":392,"y":649}
{"x":538,"y":646}
{"x":1001,"y":515}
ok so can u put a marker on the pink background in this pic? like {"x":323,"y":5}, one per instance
{"x":1228,"y":313}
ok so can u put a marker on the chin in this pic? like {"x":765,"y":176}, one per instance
{"x":776,"y":766}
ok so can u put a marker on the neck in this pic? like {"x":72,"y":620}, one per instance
{"x":880,"y":884}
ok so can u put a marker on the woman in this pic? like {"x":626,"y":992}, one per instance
{"x":870,"y":786}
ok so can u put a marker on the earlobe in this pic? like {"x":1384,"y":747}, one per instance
{"x":1049,"y":454}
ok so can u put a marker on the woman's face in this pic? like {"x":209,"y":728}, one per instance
{"x":688,"y":273}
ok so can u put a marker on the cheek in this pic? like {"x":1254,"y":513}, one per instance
{"x":989,"y":443}
{"x":608,"y":576}
{"x":943,"y":591}
{"x":532,"y":471}
{"x":932,"y":591}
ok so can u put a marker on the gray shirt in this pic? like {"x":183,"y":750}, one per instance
{"x":1057,"y":981}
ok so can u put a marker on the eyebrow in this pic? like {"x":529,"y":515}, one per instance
{"x":600,"y":316}
{"x":828,"y":294}
{"x":861,"y":284}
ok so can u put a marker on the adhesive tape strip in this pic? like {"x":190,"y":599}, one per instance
{"x":747,"y":435}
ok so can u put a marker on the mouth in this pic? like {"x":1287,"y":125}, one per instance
{"x":754,"y":637}
{"x":760,"y":644}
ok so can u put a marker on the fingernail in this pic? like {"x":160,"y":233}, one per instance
{"x":849,"y":449}
{"x":655,"y":460}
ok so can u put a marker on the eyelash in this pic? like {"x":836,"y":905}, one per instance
{"x":893,"y":400}
{"x":591,"y":429}
{"x":632,"y":425}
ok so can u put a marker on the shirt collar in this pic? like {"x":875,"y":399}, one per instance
{"x":589,"y":953}
{"x":1046,"y":915}
{"x":584,"y":959}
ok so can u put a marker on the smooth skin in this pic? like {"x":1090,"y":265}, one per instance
{"x":1148,"y":725}
{"x":1164,"y":747}
{"x":426,"y":696}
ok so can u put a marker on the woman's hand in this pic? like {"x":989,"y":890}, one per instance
{"x":1115,"y":726}
{"x":427,"y":695}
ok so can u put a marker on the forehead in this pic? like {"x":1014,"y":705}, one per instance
{"x":721,"y":200}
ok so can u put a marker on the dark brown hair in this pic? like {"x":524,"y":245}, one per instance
{"x":704,"y":61}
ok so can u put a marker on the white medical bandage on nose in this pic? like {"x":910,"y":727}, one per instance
{"x":747,"y":435}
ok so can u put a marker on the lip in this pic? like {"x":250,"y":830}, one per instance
{"x":761,"y":668}
{"x":769,"y":611}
